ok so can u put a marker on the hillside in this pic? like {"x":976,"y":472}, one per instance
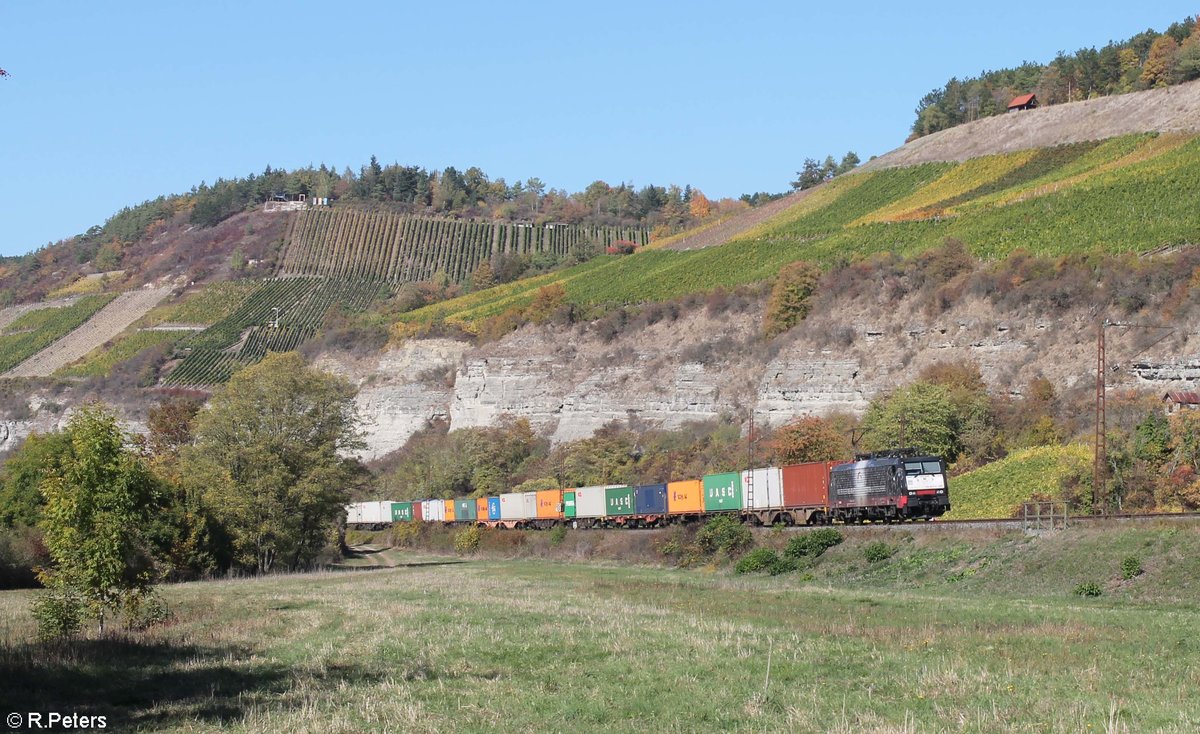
{"x":1128,"y":194}
{"x":654,"y":333}
{"x":1169,"y":110}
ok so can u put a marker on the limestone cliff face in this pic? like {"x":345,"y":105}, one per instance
{"x":568,"y":383}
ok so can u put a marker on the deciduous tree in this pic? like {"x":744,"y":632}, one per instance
{"x":270,"y":458}
{"x":99,"y":499}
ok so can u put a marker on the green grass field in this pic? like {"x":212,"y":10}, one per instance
{"x":530,"y":645}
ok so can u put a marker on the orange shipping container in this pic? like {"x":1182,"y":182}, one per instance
{"x":549,"y":504}
{"x":481,"y":508}
{"x":807,"y":485}
{"x":449,"y":510}
{"x":685,"y":497}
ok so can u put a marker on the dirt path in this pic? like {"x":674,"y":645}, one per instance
{"x":105,"y":324}
{"x":719,"y":234}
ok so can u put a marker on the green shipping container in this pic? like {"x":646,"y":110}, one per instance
{"x":568,"y":503}
{"x":465,"y":510}
{"x":401,"y":511}
{"x":723,"y":492}
{"x":618,"y":501}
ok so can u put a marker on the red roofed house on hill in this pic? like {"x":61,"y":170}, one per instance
{"x":1024,"y":102}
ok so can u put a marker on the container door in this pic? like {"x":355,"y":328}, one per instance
{"x":569,"y":503}
{"x":723,"y":492}
{"x":650,"y":499}
{"x":529,"y":505}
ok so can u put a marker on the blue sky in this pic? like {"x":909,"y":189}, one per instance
{"x":113,"y":103}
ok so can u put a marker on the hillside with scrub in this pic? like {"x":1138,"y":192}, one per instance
{"x":1132,"y":194}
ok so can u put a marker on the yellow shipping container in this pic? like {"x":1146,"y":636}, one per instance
{"x":683,"y":497}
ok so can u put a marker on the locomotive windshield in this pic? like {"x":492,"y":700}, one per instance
{"x":915,"y":468}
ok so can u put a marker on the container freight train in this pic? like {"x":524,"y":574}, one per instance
{"x":890,"y":486}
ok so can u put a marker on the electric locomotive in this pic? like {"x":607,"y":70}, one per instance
{"x":889,"y":486}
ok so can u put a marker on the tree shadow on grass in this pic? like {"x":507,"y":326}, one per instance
{"x":152,"y":684}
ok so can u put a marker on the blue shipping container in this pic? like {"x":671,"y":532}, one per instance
{"x":650,"y":499}
{"x":493,"y":508}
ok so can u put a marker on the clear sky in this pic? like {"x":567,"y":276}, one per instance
{"x":109,"y":104}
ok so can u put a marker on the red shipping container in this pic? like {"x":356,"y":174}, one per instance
{"x":807,"y":485}
{"x":418,"y":510}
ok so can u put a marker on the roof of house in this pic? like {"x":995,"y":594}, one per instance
{"x":1183,"y":397}
{"x":1021,"y":101}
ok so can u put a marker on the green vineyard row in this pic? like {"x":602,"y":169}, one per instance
{"x":277,"y":316}
{"x":34,"y":331}
{"x":362,"y":245}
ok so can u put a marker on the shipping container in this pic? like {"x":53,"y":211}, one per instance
{"x":435,"y":511}
{"x":762,"y":488}
{"x":685,"y":497}
{"x":618,"y":501}
{"x":807,"y":485}
{"x":493,"y":508}
{"x":449,"y":516}
{"x":418,"y":510}
{"x":481,"y":508}
{"x":402,"y":511}
{"x":369,"y":513}
{"x":511,"y":507}
{"x":549,"y":504}
{"x":529,"y":505}
{"x":650,"y":499}
{"x":590,"y":501}
{"x":569,"y":503}
{"x":722,"y":492}
{"x":465,"y":510}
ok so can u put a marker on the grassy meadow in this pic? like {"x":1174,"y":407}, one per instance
{"x":441,"y":644}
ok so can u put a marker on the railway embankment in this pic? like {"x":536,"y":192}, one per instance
{"x":1154,"y":561}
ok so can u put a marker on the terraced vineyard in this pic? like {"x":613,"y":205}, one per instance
{"x":105,"y":324}
{"x":276,"y":316}
{"x":34,"y":330}
{"x":361,"y":245}
{"x":1131,"y":194}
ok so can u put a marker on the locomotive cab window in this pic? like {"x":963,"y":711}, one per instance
{"x":914,"y":468}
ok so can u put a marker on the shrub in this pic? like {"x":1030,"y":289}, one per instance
{"x":143,"y":611}
{"x":759,"y":559}
{"x":1131,"y":567}
{"x":558,"y":535}
{"x":59,"y":614}
{"x":765,"y":559}
{"x":1088,"y":588}
{"x":813,"y":543}
{"x":878,"y":551}
{"x":789,"y":301}
{"x":406,"y":534}
{"x":724,"y":534}
{"x":467,"y":541}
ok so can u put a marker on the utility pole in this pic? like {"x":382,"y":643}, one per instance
{"x":1100,"y":457}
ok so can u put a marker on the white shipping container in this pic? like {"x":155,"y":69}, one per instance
{"x":512,"y":507}
{"x":767,"y":488}
{"x":435,"y":510}
{"x":369,"y":513}
{"x":589,"y":501}
{"x":529,"y":505}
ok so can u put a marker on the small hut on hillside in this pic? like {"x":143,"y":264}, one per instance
{"x":1024,"y":102}
{"x":1181,"y":400}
